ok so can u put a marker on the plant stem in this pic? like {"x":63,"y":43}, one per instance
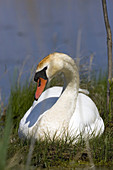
{"x":109,"y":49}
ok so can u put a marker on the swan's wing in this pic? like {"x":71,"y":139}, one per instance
{"x":44,"y":103}
{"x":95,"y":129}
{"x":86,"y":117}
{"x":55,"y":91}
{"x":40,"y":109}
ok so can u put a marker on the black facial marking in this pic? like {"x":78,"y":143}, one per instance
{"x":41,"y":74}
{"x":39,"y":83}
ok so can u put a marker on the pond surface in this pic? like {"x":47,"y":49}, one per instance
{"x":30,"y":30}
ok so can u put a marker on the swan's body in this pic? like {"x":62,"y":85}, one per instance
{"x":58,"y":109}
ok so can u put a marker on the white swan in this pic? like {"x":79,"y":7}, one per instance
{"x":60,"y":109}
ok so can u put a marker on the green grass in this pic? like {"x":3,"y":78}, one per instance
{"x":5,"y":140}
{"x":50,"y":154}
{"x":21,"y":99}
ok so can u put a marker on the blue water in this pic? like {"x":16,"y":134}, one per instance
{"x":29,"y":30}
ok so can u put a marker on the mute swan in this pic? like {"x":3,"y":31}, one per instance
{"x":60,"y":109}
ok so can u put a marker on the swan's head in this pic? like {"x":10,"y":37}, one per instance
{"x":48,"y":68}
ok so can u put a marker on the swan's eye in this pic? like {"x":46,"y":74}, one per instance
{"x":39,"y":82}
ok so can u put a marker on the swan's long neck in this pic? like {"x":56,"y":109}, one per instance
{"x":71,"y":79}
{"x":72,"y":83}
{"x":67,"y":101}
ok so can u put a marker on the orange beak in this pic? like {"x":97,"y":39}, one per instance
{"x":41,"y":83}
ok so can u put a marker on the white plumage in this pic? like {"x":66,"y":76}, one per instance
{"x":59,"y":109}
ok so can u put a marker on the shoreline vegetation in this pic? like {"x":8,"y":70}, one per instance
{"x":58,"y":154}
{"x":15,"y":153}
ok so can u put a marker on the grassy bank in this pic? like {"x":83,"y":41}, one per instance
{"x":15,"y":153}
